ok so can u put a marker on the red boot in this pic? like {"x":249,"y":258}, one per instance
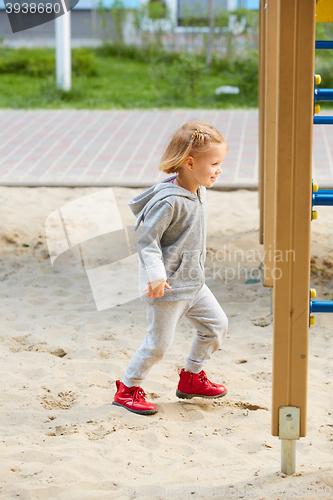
{"x":197,"y":385}
{"x":133,"y":399}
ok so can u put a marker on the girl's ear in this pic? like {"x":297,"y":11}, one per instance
{"x":189,"y":161}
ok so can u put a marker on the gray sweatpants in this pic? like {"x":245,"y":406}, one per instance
{"x":203,"y":312}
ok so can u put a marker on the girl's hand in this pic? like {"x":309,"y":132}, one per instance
{"x":156,"y":289}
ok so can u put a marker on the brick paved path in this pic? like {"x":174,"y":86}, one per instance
{"x":123,"y":148}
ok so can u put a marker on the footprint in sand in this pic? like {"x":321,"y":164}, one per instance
{"x":62,"y":400}
{"x":185,"y":412}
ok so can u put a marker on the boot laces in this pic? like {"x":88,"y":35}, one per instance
{"x":203,"y":377}
{"x":138,"y":393}
{"x":205,"y":380}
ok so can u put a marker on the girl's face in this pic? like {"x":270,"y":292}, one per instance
{"x":206,"y":167}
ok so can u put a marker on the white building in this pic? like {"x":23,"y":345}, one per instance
{"x":86,"y":23}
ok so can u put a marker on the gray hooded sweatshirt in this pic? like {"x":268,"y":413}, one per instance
{"x":172,"y":242}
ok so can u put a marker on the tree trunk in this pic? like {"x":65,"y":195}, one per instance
{"x":211,"y":33}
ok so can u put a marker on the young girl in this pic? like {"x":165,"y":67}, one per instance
{"x":172,"y":253}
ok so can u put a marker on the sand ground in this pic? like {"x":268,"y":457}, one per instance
{"x":62,"y":438}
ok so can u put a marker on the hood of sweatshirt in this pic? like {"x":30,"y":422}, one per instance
{"x":142,"y":203}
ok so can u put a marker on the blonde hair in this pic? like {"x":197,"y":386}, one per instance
{"x":194,"y":137}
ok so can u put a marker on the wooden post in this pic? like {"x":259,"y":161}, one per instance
{"x":295,"y":90}
{"x":269,"y":145}
{"x":261,"y":115}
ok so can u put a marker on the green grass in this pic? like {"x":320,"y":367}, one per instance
{"x":110,"y":82}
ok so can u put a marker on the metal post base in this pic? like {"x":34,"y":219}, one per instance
{"x":288,"y":456}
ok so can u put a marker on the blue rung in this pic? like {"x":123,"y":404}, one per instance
{"x":323,"y":95}
{"x":324,"y":44}
{"x":323,"y":120}
{"x":323,"y":197}
{"x":321,"y":306}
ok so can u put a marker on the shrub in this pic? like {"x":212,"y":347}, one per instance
{"x":26,"y":61}
{"x":39,"y":63}
{"x":179,"y":77}
{"x":240,"y":72}
{"x":146,"y":53}
{"x":248,"y":75}
{"x":84,"y":62}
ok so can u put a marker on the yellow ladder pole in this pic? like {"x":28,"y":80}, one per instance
{"x":261,"y":99}
{"x":296,"y":43}
{"x":270,"y":138}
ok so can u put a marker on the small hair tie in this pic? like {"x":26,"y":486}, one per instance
{"x":191,"y":140}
